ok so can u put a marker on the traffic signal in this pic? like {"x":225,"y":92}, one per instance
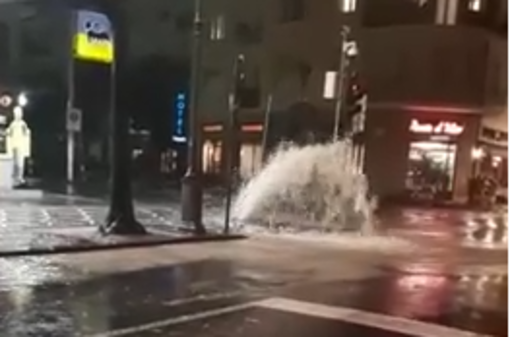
{"x":356,"y":105}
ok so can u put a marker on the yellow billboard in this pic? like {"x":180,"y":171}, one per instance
{"x":93,"y":39}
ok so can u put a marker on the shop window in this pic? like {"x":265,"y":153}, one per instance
{"x":494,"y":135}
{"x":475,"y":5}
{"x":217,"y":28}
{"x":431,"y":168}
{"x":348,"y":6}
{"x":251,"y":160}
{"x":211,"y":153}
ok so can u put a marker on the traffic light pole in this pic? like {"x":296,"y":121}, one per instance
{"x":192,"y":194}
{"x":343,"y":65}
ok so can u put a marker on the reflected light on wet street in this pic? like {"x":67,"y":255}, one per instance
{"x":28,"y":271}
{"x":418,"y":295}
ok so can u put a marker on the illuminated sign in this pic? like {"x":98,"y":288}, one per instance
{"x":93,"y":39}
{"x":439,"y":128}
{"x":179,"y":130}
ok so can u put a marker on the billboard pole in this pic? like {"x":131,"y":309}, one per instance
{"x":70,"y":105}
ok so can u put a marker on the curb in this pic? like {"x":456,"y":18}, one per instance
{"x":123,"y":245}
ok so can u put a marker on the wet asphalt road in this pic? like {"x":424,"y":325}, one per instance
{"x":127,"y":304}
{"x":217,"y":297}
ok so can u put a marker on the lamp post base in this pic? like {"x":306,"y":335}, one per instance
{"x":191,"y":202}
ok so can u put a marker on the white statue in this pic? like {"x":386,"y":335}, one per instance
{"x":18,"y":144}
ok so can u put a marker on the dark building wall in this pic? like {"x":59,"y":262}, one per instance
{"x":382,"y":13}
{"x":386,"y":151}
{"x":434,"y":65}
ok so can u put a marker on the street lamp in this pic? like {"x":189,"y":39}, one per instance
{"x":22,"y":100}
{"x":477,"y":153}
{"x":191,"y":193}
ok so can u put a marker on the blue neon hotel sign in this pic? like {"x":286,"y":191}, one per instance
{"x":179,"y":125}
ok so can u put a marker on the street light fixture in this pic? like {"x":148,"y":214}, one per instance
{"x":477,"y":153}
{"x":22,"y":100}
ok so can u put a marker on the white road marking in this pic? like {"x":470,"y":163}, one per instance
{"x":364,"y":318}
{"x":349,"y":315}
{"x":176,"y":320}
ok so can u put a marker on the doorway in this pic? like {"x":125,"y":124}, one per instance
{"x":431,"y":169}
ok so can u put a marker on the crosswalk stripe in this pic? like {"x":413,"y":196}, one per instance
{"x":364,"y":318}
{"x":176,"y":320}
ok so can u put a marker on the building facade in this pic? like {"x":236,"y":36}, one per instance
{"x":35,"y":47}
{"x":434,"y":71}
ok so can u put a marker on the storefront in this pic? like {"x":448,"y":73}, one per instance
{"x":490,"y":157}
{"x":248,"y":160}
{"x":432,"y":157}
{"x":420,"y":154}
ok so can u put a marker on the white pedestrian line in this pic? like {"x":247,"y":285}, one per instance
{"x":349,"y":315}
{"x":176,"y":320}
{"x":364,"y":318}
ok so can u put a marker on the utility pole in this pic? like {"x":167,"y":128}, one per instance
{"x":192,"y":194}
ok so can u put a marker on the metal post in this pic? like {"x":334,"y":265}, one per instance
{"x":232,"y":140}
{"x":267,"y":122}
{"x":340,"y":81}
{"x":111,"y":112}
{"x":70,"y":104}
{"x":230,"y":146}
{"x":191,"y":196}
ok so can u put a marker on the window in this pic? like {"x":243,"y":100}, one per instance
{"x":217,"y":28}
{"x":250,"y":160}
{"x":475,"y":5}
{"x":348,"y":6}
{"x":292,"y":10}
{"x":211,"y":157}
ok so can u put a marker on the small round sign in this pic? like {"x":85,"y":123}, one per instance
{"x":6,"y":100}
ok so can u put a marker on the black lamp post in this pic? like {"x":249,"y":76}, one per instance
{"x":192,"y":194}
{"x":121,"y":215}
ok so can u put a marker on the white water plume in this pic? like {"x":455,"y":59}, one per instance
{"x":311,"y":187}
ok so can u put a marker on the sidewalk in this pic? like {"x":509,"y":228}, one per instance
{"x":52,"y":224}
{"x":167,"y":192}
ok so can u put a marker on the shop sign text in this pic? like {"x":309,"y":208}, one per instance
{"x":439,"y":128}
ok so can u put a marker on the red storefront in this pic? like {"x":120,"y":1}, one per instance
{"x":420,"y":153}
